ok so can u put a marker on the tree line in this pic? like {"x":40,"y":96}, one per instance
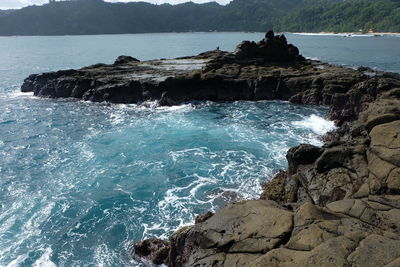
{"x":98,"y":17}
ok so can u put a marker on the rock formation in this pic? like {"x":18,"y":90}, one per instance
{"x":338,"y":205}
{"x":272,"y":48}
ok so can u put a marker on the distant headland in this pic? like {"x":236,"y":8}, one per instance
{"x":80,"y":17}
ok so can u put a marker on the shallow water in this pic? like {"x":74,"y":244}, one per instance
{"x":80,"y":181}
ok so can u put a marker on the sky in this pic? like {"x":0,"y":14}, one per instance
{"x":12,"y":4}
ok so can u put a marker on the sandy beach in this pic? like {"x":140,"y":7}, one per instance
{"x":350,"y":34}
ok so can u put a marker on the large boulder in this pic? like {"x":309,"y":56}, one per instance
{"x":272,"y":48}
{"x":384,"y":157}
{"x":302,"y":154}
{"x":245,"y":229}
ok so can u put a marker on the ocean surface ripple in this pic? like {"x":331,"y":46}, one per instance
{"x":81,"y":180}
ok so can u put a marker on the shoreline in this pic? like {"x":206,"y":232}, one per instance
{"x":354,"y":34}
{"x":357,"y":34}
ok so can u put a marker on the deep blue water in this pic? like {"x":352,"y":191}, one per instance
{"x":80,"y":181}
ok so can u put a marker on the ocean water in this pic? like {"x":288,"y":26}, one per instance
{"x":80,"y":181}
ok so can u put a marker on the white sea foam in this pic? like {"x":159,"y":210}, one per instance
{"x":183,"y":107}
{"x":318,"y":125}
{"x":104,"y":256}
{"x":44,"y":260}
{"x":18,"y":261}
{"x":18,"y":94}
{"x":221,"y":155}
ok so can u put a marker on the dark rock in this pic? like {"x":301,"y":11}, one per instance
{"x":336,"y":194}
{"x":302,"y":154}
{"x":268,"y":70}
{"x":281,"y":188}
{"x":155,"y":250}
{"x":297,"y":98}
{"x":269,"y":35}
{"x":166,"y":101}
{"x":272,"y":48}
{"x":275,"y":189}
{"x":311,"y":97}
{"x":381,"y":119}
{"x":333,"y":158}
{"x":28,"y":84}
{"x":203,"y":217}
{"x":210,"y":54}
{"x":125,"y":60}
{"x":183,"y":242}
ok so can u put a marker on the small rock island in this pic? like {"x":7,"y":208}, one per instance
{"x":335,"y":205}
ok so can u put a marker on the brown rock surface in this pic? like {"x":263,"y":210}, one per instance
{"x":351,"y":232}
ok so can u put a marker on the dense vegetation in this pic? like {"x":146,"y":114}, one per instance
{"x":96,"y":16}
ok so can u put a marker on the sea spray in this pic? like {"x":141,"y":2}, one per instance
{"x":73,"y":169}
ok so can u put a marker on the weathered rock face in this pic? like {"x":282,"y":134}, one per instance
{"x":345,"y":233}
{"x":239,"y":230}
{"x":351,"y":232}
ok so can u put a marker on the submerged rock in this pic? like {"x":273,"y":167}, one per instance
{"x":155,"y":250}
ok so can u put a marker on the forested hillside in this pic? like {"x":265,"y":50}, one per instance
{"x":98,"y":17}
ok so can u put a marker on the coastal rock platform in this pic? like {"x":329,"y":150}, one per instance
{"x":335,"y":205}
{"x":271,"y":69}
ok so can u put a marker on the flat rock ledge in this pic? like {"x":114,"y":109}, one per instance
{"x":336,"y":205}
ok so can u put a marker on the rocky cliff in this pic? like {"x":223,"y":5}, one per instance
{"x":338,"y":205}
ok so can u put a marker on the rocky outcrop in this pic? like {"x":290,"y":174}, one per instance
{"x":338,"y":205}
{"x":267,"y":70}
{"x":271,"y":48}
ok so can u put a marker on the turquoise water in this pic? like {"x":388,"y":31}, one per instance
{"x":79,"y":181}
